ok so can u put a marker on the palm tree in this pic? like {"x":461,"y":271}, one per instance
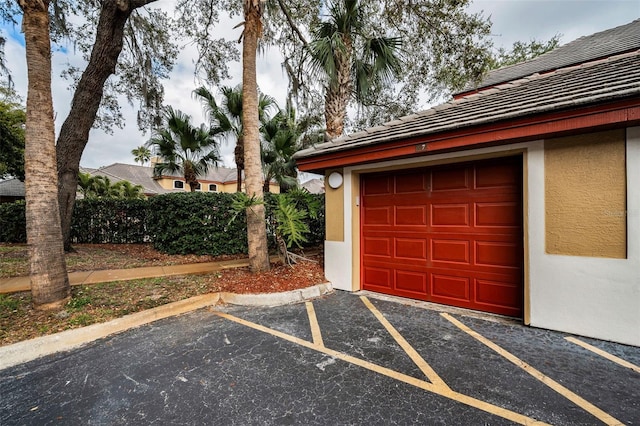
{"x":350,"y":61}
{"x":103,"y":188}
{"x":141,"y":154}
{"x":129,"y":191}
{"x":86,"y":184}
{"x":225,"y":118}
{"x":49,"y":280}
{"x":283,"y":136}
{"x":256,"y":224}
{"x":184,"y":148}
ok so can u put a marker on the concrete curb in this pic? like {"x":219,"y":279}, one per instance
{"x":30,"y":350}
{"x":276,"y":299}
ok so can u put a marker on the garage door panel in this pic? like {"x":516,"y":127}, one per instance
{"x":450,"y":287}
{"x":377,"y":185}
{"x":498,"y":253}
{"x":449,"y":179}
{"x":378,"y":277}
{"x":373,"y":246}
{"x":450,"y":251}
{"x":377,"y":216}
{"x":450,"y":215}
{"x":496,"y":176}
{"x":411,"y":281}
{"x":411,"y":182}
{"x":411,"y":215}
{"x":497,"y":214}
{"x":496,"y":295}
{"x":411,"y":248}
{"x":457,"y":240}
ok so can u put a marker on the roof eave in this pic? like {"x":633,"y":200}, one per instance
{"x":615,"y":113}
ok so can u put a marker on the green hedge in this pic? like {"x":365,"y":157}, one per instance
{"x":109,"y":221}
{"x":13,"y":226}
{"x":180,"y":223}
{"x":196,"y":223}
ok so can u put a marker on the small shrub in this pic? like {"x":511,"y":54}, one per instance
{"x":78,"y":303}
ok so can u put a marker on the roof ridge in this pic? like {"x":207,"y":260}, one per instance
{"x":600,"y":45}
{"x":110,"y":174}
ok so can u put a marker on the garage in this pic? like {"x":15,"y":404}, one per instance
{"x":449,"y":234}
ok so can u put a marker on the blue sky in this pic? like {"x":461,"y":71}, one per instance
{"x":13,"y":32}
{"x":513,"y":20}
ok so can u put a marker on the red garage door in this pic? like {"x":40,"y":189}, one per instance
{"x":448,"y":234}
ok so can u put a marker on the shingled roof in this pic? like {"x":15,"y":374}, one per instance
{"x":137,"y":175}
{"x":11,"y":188}
{"x":615,"y":77}
{"x":614,"y":41}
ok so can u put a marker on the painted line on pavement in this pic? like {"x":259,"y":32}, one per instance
{"x":422,"y":384}
{"x":413,"y":354}
{"x":576,"y":399}
{"x":604,"y":354}
{"x":315,"y":328}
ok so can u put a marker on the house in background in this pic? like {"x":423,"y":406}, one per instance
{"x":520,"y":196}
{"x":220,"y":179}
{"x":11,"y":190}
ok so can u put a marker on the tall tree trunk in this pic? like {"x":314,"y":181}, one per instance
{"x":239,"y":158}
{"x":74,"y":133}
{"x":256,"y":225}
{"x":338,"y":92}
{"x":190,"y":177}
{"x":49,"y":280}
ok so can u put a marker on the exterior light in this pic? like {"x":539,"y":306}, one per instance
{"x":335,"y":180}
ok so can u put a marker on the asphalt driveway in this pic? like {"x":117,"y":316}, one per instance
{"x":341,"y":359}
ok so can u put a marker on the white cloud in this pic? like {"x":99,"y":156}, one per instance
{"x":523,"y":20}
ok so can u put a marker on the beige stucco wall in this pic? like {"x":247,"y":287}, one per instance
{"x":167,"y":183}
{"x":274,"y":188}
{"x":334,"y":213}
{"x":229,"y":187}
{"x":585,"y":195}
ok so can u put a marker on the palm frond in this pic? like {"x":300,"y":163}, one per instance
{"x":291,"y":224}
{"x":184,"y":148}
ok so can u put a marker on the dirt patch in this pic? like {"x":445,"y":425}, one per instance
{"x":102,"y":302}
